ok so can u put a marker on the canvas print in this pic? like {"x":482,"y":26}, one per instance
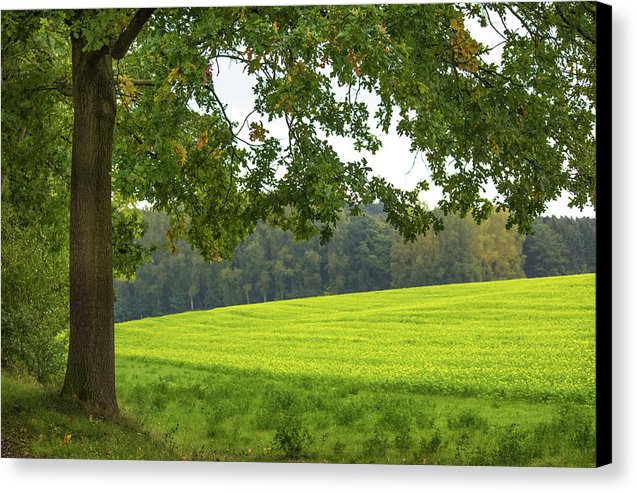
{"x":307,"y":233}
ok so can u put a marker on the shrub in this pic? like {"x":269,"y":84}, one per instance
{"x":513,"y":449}
{"x":291,"y":438}
{"x":469,"y":419}
{"x":35,"y":288}
{"x":377,"y":445}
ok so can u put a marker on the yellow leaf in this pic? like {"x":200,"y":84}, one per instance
{"x":203,"y":140}
{"x":257,"y":132}
{"x":174,"y":74}
{"x":128,"y":89}
{"x":465,"y":49}
{"x":354,"y":61}
{"x":67,"y":438}
{"x":181,"y":152}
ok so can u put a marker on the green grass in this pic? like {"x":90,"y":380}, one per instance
{"x":37,"y":423}
{"x":498,"y":373}
{"x":521,"y":338}
{"x":484,"y":373}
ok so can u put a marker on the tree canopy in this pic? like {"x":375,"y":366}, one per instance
{"x":523,"y":123}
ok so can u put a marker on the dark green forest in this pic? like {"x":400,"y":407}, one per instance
{"x":365,"y":254}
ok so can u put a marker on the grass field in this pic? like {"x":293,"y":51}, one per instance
{"x":498,"y":373}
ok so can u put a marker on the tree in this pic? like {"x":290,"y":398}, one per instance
{"x":559,"y":246}
{"x":500,"y":249}
{"x":546,"y":252}
{"x":35,"y":219}
{"x":359,"y":255}
{"x":147,"y":114}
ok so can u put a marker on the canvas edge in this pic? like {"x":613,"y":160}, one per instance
{"x":603,"y":384}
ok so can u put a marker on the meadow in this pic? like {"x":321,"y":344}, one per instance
{"x":498,"y":373}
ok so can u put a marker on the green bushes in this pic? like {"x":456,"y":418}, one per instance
{"x":34,"y":301}
{"x":291,"y":437}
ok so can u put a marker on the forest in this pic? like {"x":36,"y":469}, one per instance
{"x":365,"y":254}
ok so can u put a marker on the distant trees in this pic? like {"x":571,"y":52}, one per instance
{"x":560,"y":246}
{"x":463,"y":252}
{"x":358,"y":256}
{"x":499,"y":249}
{"x":364,"y":255}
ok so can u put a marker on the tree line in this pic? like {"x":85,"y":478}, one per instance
{"x":365,"y":254}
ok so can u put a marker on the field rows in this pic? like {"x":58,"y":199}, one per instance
{"x":522,"y":338}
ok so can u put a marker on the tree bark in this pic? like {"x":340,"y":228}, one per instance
{"x":90,"y":372}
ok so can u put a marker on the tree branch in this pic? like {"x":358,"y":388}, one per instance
{"x":141,"y":82}
{"x":571,"y":23}
{"x":61,"y":85}
{"x":128,"y":35}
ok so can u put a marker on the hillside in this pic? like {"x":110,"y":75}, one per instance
{"x":530,"y":338}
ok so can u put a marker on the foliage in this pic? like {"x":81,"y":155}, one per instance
{"x":291,"y":437}
{"x":546,"y":253}
{"x":36,"y":122}
{"x":560,"y":246}
{"x":475,"y":120}
{"x":34,"y":300}
{"x":128,"y":252}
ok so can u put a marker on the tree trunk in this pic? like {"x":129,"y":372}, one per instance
{"x":90,"y":372}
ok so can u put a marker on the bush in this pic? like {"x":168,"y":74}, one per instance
{"x":513,"y":448}
{"x":431,"y":446}
{"x":291,"y":437}
{"x":35,"y":315}
{"x":376,"y":447}
{"x":468,"y":419}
